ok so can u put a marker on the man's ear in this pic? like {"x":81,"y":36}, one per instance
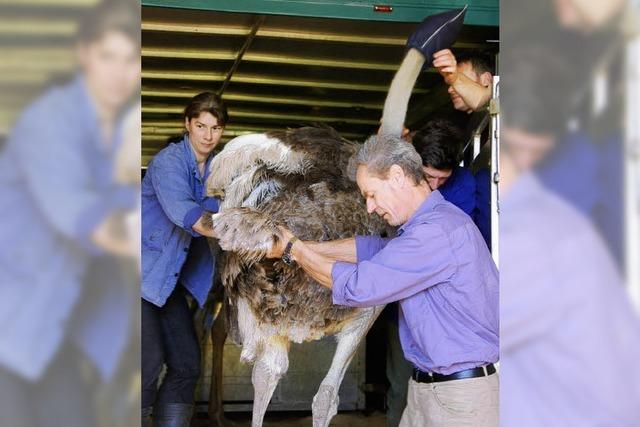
{"x":396,"y":176}
{"x":486,"y":79}
{"x":186,"y":123}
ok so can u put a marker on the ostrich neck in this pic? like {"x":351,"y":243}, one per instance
{"x":397,"y":101}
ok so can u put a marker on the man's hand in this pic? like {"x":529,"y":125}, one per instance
{"x":280,"y":244}
{"x":447,"y":66}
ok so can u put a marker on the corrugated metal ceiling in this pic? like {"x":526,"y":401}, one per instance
{"x":278,"y":71}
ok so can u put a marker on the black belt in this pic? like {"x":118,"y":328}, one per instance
{"x":432,"y":377}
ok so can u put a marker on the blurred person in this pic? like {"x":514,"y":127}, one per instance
{"x":586,"y":166}
{"x":177,"y":262}
{"x":65,"y":300}
{"x":593,"y":37}
{"x":587,"y":16}
{"x":563,"y":310}
{"x":595,"y":325}
{"x":127,"y":172}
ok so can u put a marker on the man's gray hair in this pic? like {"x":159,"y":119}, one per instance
{"x":379,"y":153}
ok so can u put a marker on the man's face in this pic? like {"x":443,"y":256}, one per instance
{"x":382,"y":196}
{"x":204,"y":133}
{"x":436,"y":177}
{"x":458,"y":103}
{"x":112,"y":69}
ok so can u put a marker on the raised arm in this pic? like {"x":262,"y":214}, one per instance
{"x":474,"y":94}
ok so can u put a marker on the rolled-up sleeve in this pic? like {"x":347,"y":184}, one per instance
{"x":58,"y":176}
{"x":211,"y":204}
{"x":420,"y":258}
{"x":191,"y":217}
{"x":368,"y":246}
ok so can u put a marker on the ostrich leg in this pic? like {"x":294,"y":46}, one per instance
{"x":218,"y":337}
{"x":271,"y":364}
{"x":325,"y":402}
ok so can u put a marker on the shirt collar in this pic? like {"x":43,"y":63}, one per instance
{"x":452,"y":178}
{"x":191,"y":158}
{"x":428,"y":205}
{"x":90,"y":118}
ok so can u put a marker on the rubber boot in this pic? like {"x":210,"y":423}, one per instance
{"x":173,"y":415}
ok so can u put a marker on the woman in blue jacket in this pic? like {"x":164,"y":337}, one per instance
{"x":176,"y":261}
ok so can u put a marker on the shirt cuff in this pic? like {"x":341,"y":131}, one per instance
{"x":340,"y":274}
{"x":88,"y":222}
{"x":211,"y":204}
{"x":368,"y":246}
{"x":125,"y":197}
{"x":191,"y":218}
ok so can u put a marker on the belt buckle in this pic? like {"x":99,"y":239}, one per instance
{"x":484,"y":369}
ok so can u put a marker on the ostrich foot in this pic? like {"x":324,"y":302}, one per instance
{"x":325,"y":405}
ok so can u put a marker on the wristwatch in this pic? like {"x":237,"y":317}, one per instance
{"x":286,"y":255}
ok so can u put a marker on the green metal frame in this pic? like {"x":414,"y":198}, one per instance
{"x":480,"y":12}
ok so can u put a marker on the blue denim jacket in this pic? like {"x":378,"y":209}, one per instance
{"x":173,"y":199}
{"x":57,"y":186}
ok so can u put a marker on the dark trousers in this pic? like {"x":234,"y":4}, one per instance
{"x":169,"y":338}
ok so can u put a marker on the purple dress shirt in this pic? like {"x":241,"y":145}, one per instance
{"x":441,"y":271}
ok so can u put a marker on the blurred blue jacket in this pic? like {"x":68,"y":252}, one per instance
{"x":56,"y":187}
{"x":173,"y":199}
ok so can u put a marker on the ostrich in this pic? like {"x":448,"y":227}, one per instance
{"x":298,"y":178}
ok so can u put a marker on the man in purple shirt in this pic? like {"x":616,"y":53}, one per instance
{"x":438,"y":268}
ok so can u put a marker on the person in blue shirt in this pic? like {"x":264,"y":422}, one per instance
{"x":176,"y":262}
{"x":438,"y":144}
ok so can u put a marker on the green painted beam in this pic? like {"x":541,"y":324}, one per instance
{"x":480,"y":12}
